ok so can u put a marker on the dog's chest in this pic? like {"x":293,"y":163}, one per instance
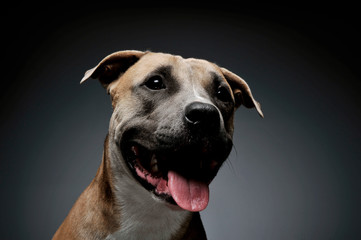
{"x":144,"y":217}
{"x":147,"y":224}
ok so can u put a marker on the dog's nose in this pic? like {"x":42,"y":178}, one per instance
{"x":203,"y":116}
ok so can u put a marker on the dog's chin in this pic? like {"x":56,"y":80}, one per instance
{"x":178,"y":177}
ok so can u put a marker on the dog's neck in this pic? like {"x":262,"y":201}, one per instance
{"x":141,"y":215}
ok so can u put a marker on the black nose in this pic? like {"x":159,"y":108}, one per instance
{"x":202,"y":116}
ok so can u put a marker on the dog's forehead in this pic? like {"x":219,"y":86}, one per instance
{"x":183,"y":68}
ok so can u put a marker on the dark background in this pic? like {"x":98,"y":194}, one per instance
{"x":293,"y":175}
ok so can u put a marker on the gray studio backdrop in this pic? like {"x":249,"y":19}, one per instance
{"x":292,"y":175}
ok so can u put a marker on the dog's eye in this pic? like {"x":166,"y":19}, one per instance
{"x":155,"y":83}
{"x":223,"y":94}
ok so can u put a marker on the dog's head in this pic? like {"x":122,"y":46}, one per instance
{"x":172,"y":120}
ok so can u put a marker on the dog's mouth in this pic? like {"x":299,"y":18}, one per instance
{"x":179,"y":176}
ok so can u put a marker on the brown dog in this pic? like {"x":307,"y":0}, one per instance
{"x":169,"y":134}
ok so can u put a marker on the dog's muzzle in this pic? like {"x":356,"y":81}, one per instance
{"x":179,"y":168}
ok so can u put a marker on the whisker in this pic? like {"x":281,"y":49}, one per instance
{"x":229,"y":160}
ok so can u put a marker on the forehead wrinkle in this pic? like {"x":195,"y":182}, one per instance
{"x":163,"y":69}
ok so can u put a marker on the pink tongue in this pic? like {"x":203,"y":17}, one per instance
{"x":190,"y":195}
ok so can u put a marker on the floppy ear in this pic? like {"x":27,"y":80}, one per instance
{"x":241,"y":91}
{"x":112,"y":66}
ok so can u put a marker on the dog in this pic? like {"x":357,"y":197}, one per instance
{"x":170,"y":131}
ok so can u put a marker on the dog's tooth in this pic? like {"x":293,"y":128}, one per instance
{"x":155,"y":168}
{"x":153,"y":161}
{"x":135,"y":150}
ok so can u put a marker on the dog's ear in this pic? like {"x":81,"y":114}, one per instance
{"x":241,"y":91}
{"x":112,"y":66}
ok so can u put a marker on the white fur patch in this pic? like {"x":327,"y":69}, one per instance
{"x":198,"y":97}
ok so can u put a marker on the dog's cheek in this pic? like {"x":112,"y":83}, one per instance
{"x":123,"y":113}
{"x":229,"y":123}
{"x":118,"y":98}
